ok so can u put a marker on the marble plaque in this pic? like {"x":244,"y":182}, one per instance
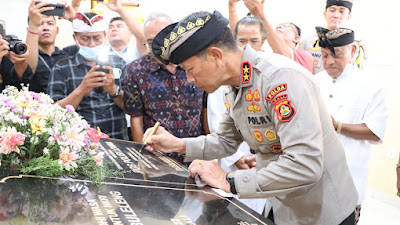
{"x":155,"y":190}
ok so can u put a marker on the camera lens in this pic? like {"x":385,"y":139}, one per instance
{"x":20,"y":48}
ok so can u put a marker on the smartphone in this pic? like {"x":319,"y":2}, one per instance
{"x":59,"y":10}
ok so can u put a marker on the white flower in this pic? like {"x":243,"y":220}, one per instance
{"x":46,"y":151}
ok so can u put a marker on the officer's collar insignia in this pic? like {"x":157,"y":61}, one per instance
{"x":258,"y":135}
{"x":253,"y":107}
{"x":270,"y":135}
{"x":284,"y":110}
{"x":276,"y":148}
{"x":246,"y":72}
{"x":276,"y":90}
{"x":279,"y":98}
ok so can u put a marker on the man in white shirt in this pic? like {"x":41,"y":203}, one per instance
{"x":355,"y":101}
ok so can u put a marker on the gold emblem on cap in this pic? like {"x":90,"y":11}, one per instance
{"x":208,"y":18}
{"x":190,"y":25}
{"x":172,"y":36}
{"x":162,"y":52}
{"x":166,"y":42}
{"x":199,"y":22}
{"x":181,"y":30}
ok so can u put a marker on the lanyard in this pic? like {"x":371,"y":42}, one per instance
{"x":45,"y":63}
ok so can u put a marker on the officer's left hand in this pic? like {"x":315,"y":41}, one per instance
{"x":246,"y":162}
{"x":211,"y":173}
{"x":193,"y":192}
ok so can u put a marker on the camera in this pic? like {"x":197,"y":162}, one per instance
{"x":15,"y":44}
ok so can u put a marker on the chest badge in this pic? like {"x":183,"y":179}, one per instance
{"x":256,"y":95}
{"x":276,"y":148}
{"x":285,"y":111}
{"x":246,"y":72}
{"x":270,"y":135}
{"x":258,"y":135}
{"x":249,"y":96}
{"x":228,"y":106}
{"x":253,"y":107}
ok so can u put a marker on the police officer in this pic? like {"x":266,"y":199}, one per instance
{"x":274,"y":105}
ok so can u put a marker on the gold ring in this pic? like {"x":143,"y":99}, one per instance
{"x":200,"y":164}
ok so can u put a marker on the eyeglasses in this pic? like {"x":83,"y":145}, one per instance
{"x":148,"y":43}
{"x":291,"y":25}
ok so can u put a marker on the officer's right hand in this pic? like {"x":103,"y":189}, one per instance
{"x":163,"y":141}
{"x":92,"y":79}
{"x":4,"y":48}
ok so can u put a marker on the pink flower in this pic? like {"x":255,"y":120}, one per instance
{"x":73,"y":137}
{"x":95,"y":135}
{"x":68,"y":158}
{"x":70,"y":108}
{"x":99,"y":158}
{"x":10,"y":141}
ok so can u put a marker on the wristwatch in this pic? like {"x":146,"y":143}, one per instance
{"x":230,"y":177}
{"x":117,"y":93}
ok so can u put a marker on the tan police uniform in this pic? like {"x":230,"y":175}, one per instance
{"x":278,"y":111}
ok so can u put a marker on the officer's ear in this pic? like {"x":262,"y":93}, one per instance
{"x":214,"y":54}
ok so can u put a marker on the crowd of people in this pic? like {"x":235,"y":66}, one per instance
{"x":292,"y":129}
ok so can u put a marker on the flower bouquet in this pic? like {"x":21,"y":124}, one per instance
{"x":42,"y":138}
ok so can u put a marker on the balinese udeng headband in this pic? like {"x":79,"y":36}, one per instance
{"x":83,"y":24}
{"x":334,"y":38}
{"x":176,"y":43}
{"x":344,"y":3}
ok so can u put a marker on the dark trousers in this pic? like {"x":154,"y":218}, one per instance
{"x":349,"y":220}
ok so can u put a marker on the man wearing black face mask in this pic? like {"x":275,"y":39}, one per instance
{"x":77,"y":81}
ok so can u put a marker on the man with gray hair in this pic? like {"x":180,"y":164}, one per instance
{"x":355,"y":100}
{"x":154,"y":92}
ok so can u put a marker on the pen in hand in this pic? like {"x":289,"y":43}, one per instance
{"x":151,"y":134}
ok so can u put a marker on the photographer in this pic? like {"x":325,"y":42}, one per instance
{"x":12,"y":65}
{"x":77,"y":81}
{"x":41,"y":35}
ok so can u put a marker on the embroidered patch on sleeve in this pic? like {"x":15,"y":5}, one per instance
{"x":278,"y":89}
{"x":270,"y":135}
{"x":258,"y":135}
{"x":276,"y":148}
{"x":284,"y":110}
{"x":246,"y":72}
{"x":279,"y":98}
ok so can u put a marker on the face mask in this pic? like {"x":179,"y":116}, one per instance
{"x":91,"y":53}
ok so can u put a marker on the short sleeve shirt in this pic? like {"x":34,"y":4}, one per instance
{"x":156,"y":94}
